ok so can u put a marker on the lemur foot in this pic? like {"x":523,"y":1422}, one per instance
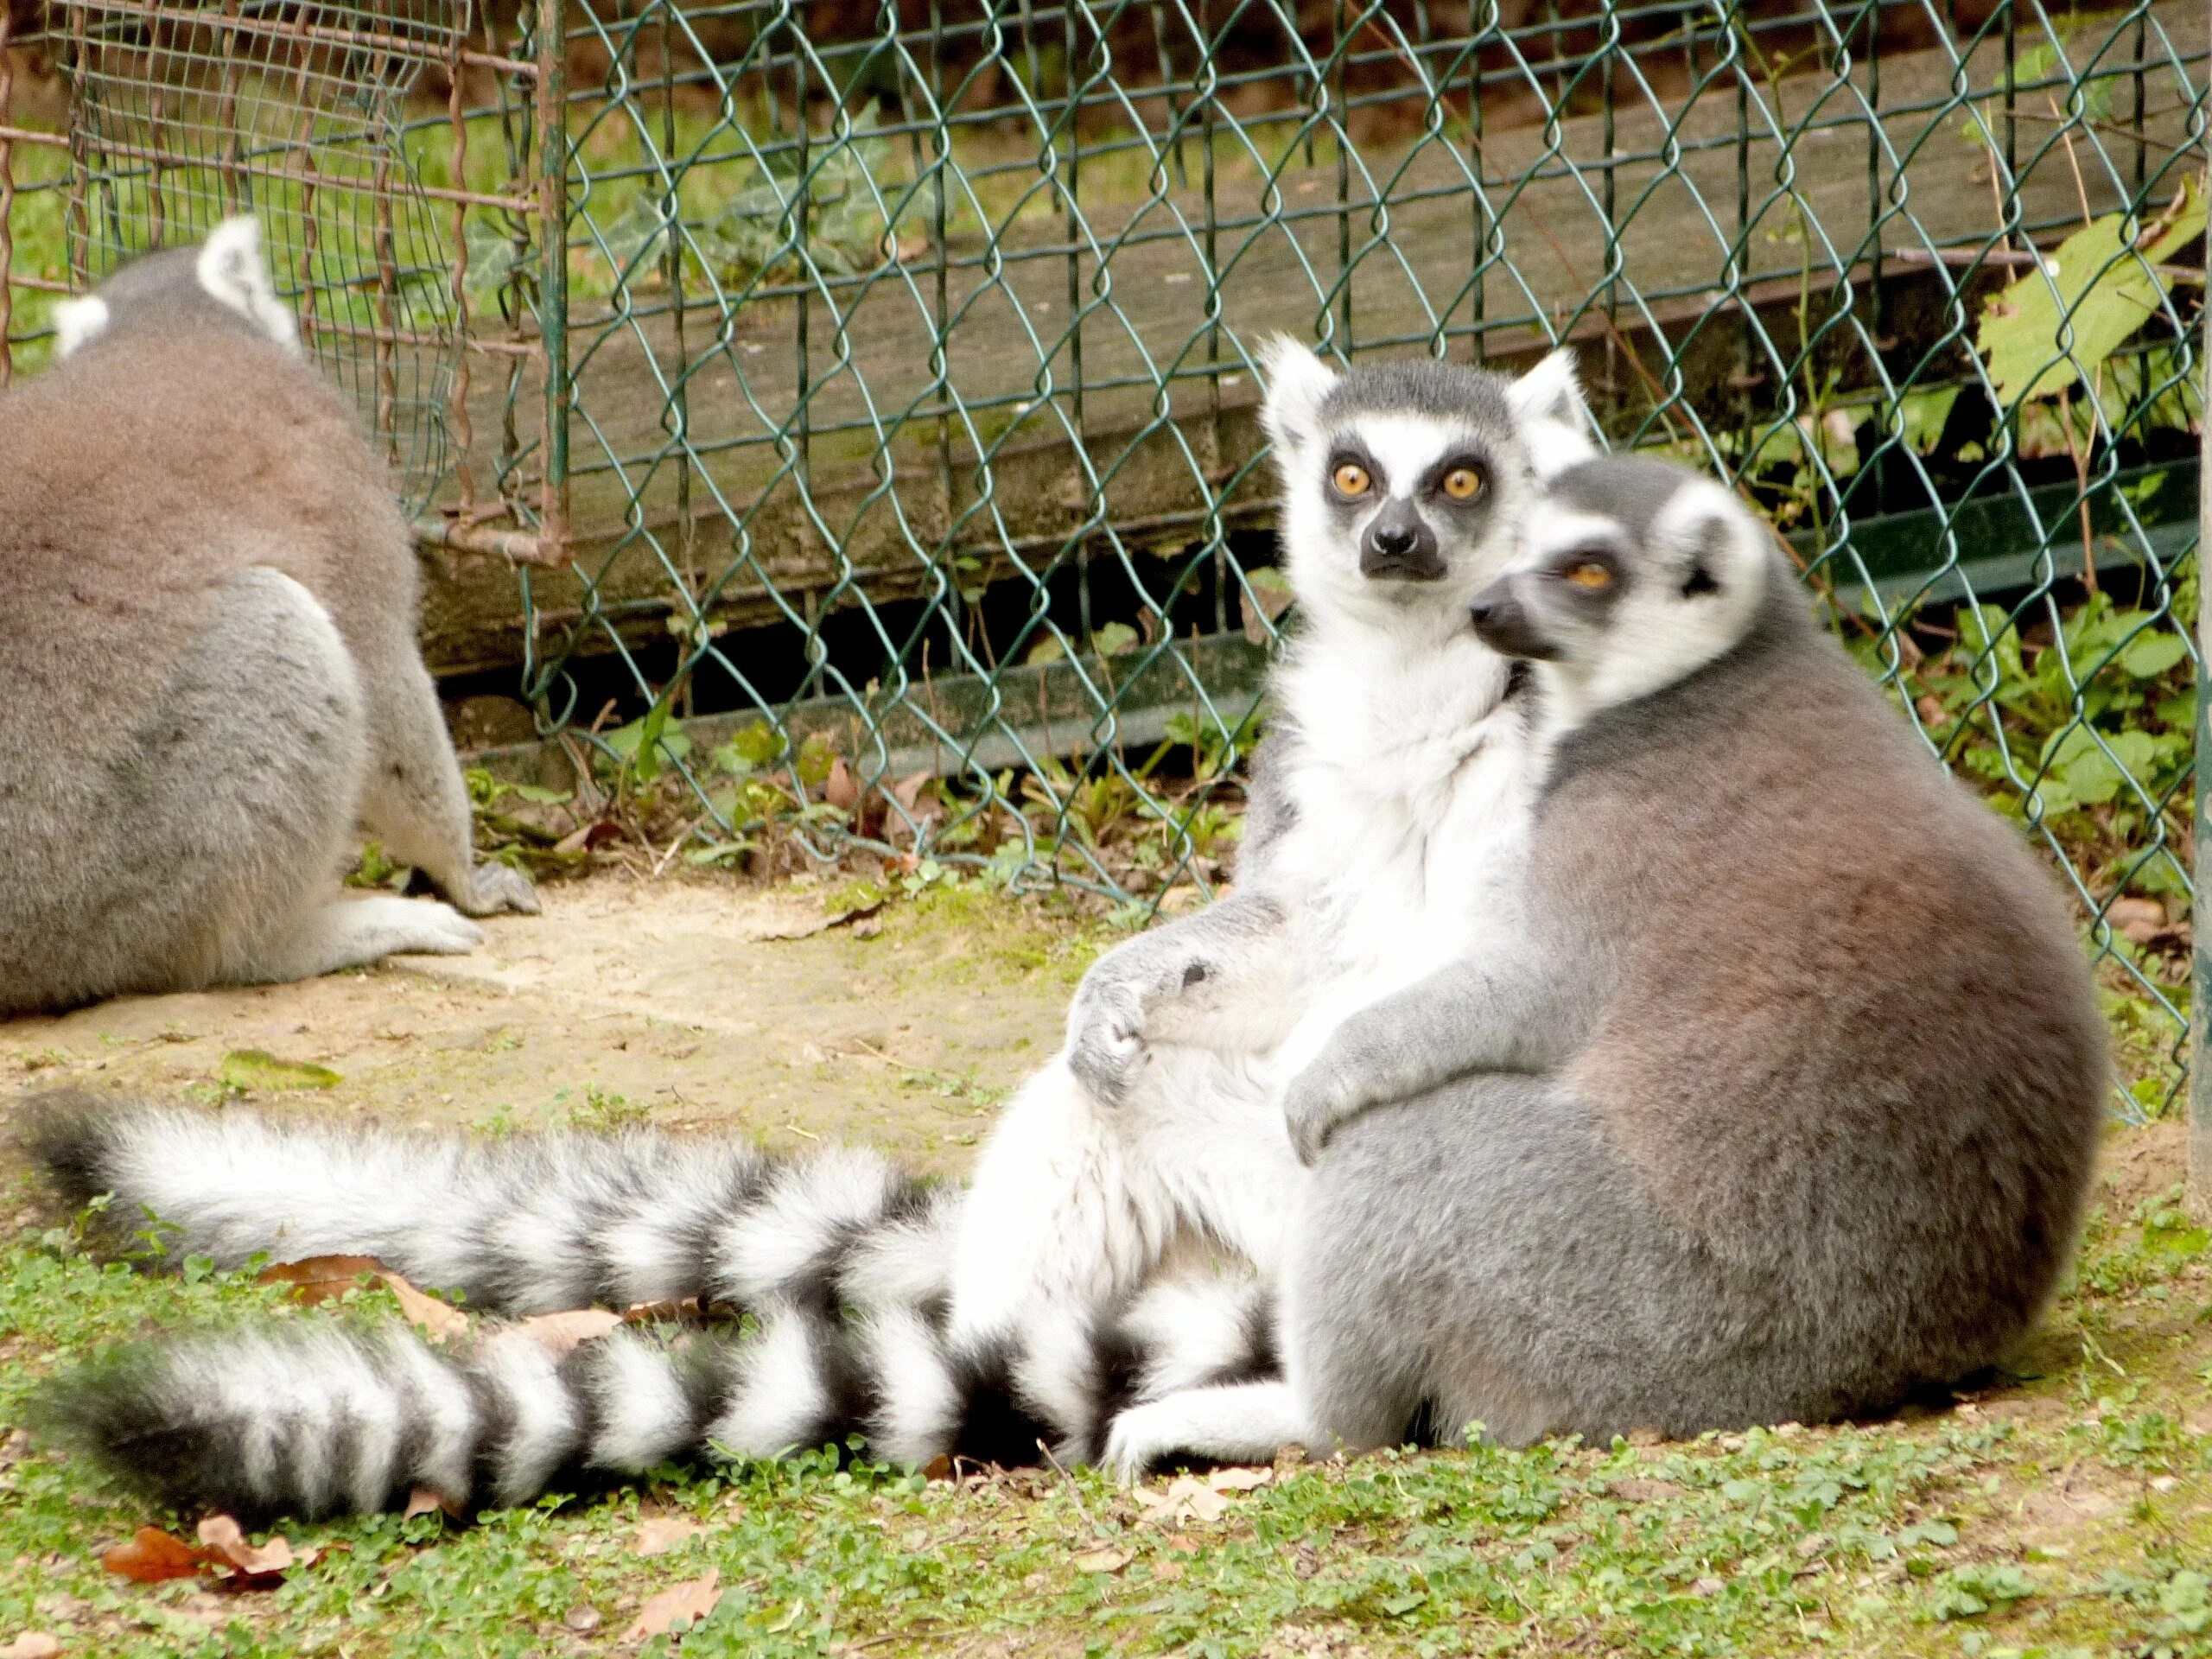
{"x":381,"y":927}
{"x":497,"y":888}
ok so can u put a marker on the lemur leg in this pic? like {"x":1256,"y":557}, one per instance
{"x":209,"y":848}
{"x":270,"y":630}
{"x":415,"y":800}
{"x":1240,"y":1422}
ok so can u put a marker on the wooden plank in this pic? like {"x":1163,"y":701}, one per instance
{"x":882,"y":489}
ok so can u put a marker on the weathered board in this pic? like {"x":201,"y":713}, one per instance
{"x":802,"y":499}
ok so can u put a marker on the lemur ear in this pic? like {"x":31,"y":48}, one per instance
{"x":1554,"y":416}
{"x":76,"y":321}
{"x":232,"y":269}
{"x":1296,"y":382}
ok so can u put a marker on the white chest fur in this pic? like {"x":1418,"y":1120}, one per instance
{"x":1411,"y":784}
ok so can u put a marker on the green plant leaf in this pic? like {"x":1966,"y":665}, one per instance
{"x":2093,"y":291}
{"x":254,"y":1068}
{"x":2150,"y":654}
{"x":1115,"y":639}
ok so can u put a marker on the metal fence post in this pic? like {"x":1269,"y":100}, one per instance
{"x":2200,"y":976}
{"x":2200,"y":1004}
{"x":553,"y":284}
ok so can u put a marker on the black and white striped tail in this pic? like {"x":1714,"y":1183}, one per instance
{"x":532,"y":1224}
{"x":840,"y":1262}
{"x":317,"y":1416}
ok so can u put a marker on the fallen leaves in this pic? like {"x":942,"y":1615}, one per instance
{"x":658,"y":1533}
{"x":152,"y":1556}
{"x":248,"y":1069}
{"x":1189,"y":1499}
{"x":223,"y":1557}
{"x":31,"y":1644}
{"x":423,"y":1501}
{"x":1102,"y":1559}
{"x":320,"y":1278}
{"x":680,"y":1605}
{"x":560,"y":1332}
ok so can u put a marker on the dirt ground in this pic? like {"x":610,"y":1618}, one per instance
{"x":685,"y":1003}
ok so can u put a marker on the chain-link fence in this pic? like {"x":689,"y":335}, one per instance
{"x":841,"y":416}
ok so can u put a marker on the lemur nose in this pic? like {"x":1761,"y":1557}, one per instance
{"x":1392,"y":541}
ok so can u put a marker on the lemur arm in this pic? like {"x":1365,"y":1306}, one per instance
{"x":1218,"y":977}
{"x":1506,"y":1011}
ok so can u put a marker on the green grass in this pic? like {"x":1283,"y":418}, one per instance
{"x":2067,"y":1512}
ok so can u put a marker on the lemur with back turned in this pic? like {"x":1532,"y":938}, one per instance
{"x":209,"y":678}
{"x":1773,"y":1096}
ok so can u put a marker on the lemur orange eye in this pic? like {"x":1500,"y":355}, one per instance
{"x":1590,"y":573}
{"x":1463,"y":483}
{"x":1350,"y":479}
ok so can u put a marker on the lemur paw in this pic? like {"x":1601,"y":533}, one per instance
{"x":1106,"y":1021}
{"x":497,"y":888}
{"x":1134,"y":1444}
{"x":1317,"y":1100}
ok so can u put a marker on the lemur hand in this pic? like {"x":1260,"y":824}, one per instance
{"x":496,"y":887}
{"x":1113,"y":1006}
{"x":1327,"y":1092}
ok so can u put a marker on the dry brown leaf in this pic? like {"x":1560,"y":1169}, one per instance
{"x":685,"y":1604}
{"x":658,"y":1533}
{"x":1166,"y":1571}
{"x":1102,"y":1561}
{"x":585,"y":836}
{"x":423,"y":1501}
{"x":1239,"y":1480}
{"x":152,"y":1556}
{"x":320,"y":1278}
{"x":1186,"y":1499}
{"x":31,"y":1644}
{"x":839,"y":789}
{"x":439,"y":1319}
{"x":559,"y":1332}
{"x":223,"y":1538}
{"x":938,"y":1468}
{"x":690,"y":1308}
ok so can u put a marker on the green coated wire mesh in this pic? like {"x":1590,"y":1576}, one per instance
{"x":840,"y":415}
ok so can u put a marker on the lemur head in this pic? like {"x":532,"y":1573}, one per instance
{"x":1632,"y":574}
{"x":223,"y":282}
{"x":1404,"y":482}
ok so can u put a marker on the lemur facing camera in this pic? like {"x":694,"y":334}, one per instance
{"x":1774,"y":1099}
{"x":1389,"y":795}
{"x":208,"y":671}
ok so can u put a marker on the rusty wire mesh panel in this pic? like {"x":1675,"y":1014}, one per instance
{"x":885,"y":412}
{"x":182,"y":115}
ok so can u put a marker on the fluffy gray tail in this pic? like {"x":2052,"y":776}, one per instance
{"x":537,"y":1224}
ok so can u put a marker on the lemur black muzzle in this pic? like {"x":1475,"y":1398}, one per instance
{"x":1503,"y":623}
{"x":1399,"y":546}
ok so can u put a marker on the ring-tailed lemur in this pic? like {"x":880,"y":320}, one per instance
{"x":1391,"y":784}
{"x":1780,"y":1104}
{"x":208,"y":669}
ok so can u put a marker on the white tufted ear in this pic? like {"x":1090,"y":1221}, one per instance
{"x":232,"y":270}
{"x":76,"y":321}
{"x":1554,"y":416}
{"x":1296,"y":382}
